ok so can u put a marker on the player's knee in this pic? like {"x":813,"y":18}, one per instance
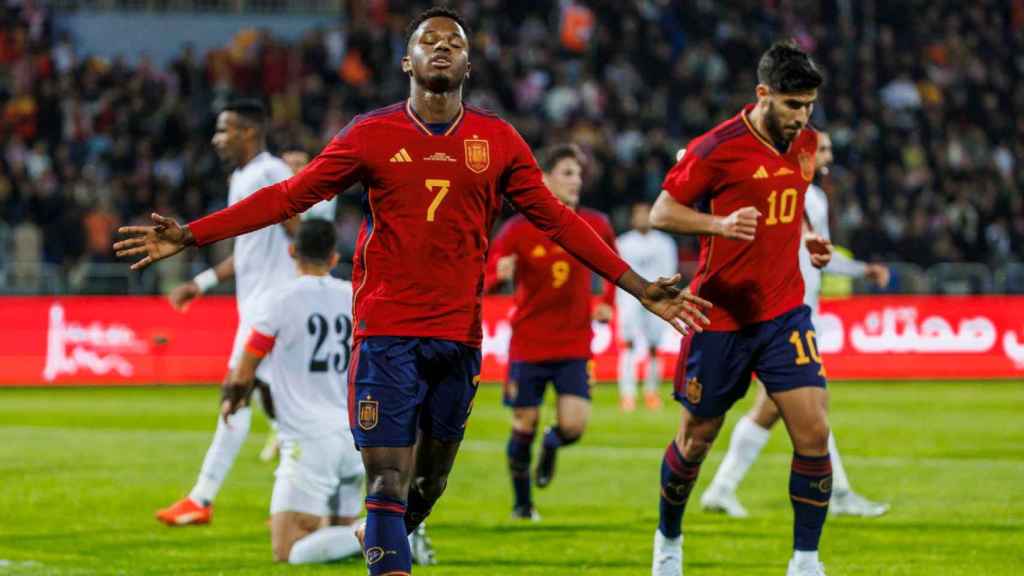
{"x":572,"y":431}
{"x":525,"y":421}
{"x":431,"y":487}
{"x":281,"y":551}
{"x":812,"y":439}
{"x":386,"y":482}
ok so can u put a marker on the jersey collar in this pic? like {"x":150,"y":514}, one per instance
{"x":419,"y":123}
{"x":744,"y":114}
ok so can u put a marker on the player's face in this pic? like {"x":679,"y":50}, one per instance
{"x":438,"y":55}
{"x":823,"y":156}
{"x":787,"y":114}
{"x":565,"y":180}
{"x":641,"y":217}
{"x":295,"y":159}
{"x":228,"y":138}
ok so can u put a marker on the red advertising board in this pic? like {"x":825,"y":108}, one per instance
{"x":141,"y":340}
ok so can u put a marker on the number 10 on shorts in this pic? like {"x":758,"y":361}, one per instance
{"x":802,"y":357}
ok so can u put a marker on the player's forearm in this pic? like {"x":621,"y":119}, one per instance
{"x":269,"y":205}
{"x":671,"y":216}
{"x":843,"y":265}
{"x":246,"y":370}
{"x":226,"y":269}
{"x":633,"y":283}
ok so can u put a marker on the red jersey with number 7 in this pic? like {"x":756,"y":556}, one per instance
{"x":430,"y":201}
{"x":731,"y":167}
{"x":553,"y":302}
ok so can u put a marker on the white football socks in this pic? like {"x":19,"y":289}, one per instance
{"x":840,"y":482}
{"x":653,"y":376}
{"x":627,"y":373}
{"x":227,"y":441}
{"x":745,"y":446}
{"x":325,"y":545}
{"x":804,"y":558}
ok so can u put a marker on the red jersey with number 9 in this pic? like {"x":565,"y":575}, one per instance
{"x":553,"y":302}
{"x":731,"y":167}
{"x":430,"y":202}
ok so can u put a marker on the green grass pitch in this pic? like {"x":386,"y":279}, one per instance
{"x":83,"y":470}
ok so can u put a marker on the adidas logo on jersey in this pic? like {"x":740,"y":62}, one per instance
{"x":783,"y":172}
{"x":762,"y":172}
{"x":401,"y":156}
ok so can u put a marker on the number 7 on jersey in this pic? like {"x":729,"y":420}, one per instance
{"x":442,"y":186}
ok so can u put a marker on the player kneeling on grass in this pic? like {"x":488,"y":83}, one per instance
{"x":318,"y":490}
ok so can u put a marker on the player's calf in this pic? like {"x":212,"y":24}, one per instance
{"x":519,"y":452}
{"x":556,"y":437}
{"x":810,"y":488}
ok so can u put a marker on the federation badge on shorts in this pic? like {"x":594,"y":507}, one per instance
{"x":369,"y":414}
{"x":478,"y":155}
{"x":806,"y":165}
{"x":694,"y":391}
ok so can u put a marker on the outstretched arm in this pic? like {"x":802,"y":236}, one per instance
{"x":525,"y":189}
{"x":337,"y":167}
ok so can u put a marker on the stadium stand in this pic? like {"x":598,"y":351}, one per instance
{"x":925,"y":106}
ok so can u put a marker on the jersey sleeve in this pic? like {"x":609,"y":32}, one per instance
{"x":605,"y":231}
{"x":691,"y":179}
{"x":524,"y":187}
{"x":502,"y":245}
{"x":265,"y":328}
{"x":338,"y":166}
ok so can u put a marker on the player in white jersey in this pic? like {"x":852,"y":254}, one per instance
{"x":752,"y":431}
{"x":318,"y":487}
{"x":260,"y":265}
{"x":655,"y":255}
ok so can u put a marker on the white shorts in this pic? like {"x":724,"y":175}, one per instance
{"x":639,"y":326}
{"x":322,"y":476}
{"x":241,"y":338}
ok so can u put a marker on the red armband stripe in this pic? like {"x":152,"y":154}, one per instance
{"x":259,"y":344}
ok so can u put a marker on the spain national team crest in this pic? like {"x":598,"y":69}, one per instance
{"x":694,"y":391}
{"x":478,"y":155}
{"x":369,"y":414}
{"x":806,"y":165}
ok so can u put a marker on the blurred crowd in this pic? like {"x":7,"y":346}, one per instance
{"x":923,"y":100}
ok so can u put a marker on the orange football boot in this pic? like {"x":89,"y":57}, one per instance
{"x":185,"y":512}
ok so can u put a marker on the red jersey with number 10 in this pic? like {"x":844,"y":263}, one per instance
{"x":729,"y":168}
{"x":553,"y":299}
{"x":430,"y":201}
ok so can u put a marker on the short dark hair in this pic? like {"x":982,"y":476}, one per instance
{"x":436,"y":11}
{"x":785,"y":68}
{"x":248,"y":108}
{"x":552,"y":155}
{"x":315,"y":240}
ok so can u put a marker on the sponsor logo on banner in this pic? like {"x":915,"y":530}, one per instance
{"x":899,"y":330}
{"x":97,"y":348}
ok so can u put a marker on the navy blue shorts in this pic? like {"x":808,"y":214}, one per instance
{"x":398,"y":384}
{"x":715,"y":368}
{"x":527,"y":381}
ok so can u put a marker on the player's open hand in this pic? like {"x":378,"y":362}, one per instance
{"x":820,"y":249}
{"x":680,"y":308}
{"x":154,"y":243}
{"x":740,"y":225}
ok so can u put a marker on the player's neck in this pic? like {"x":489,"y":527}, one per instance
{"x":756,"y":117}
{"x":435,"y":107}
{"x":251,"y":153}
{"x":312,"y":269}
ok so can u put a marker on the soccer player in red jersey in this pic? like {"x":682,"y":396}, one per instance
{"x":435,"y":173}
{"x":741,"y":188}
{"x":551,"y":330}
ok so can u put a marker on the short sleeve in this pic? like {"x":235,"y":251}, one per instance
{"x":690,"y":179}
{"x":265,"y":320}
